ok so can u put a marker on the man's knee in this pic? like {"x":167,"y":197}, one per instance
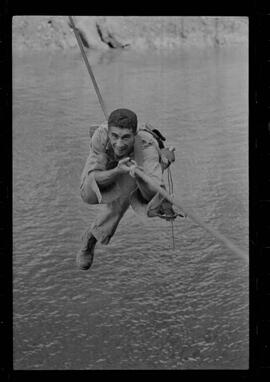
{"x":89,"y":196}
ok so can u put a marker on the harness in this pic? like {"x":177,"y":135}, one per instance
{"x":156,"y":134}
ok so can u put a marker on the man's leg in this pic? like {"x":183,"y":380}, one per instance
{"x":101,"y":231}
{"x":85,"y":255}
{"x":107,"y":220}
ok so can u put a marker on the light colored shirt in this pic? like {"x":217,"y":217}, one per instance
{"x":101,"y":157}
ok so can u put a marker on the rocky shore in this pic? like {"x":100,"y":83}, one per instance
{"x":101,"y":33}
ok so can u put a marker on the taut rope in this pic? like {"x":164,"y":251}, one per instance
{"x":78,"y":37}
{"x":228,"y":243}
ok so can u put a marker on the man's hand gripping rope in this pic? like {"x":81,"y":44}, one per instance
{"x":127,"y":165}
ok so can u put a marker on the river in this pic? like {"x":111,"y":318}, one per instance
{"x":142,"y":305}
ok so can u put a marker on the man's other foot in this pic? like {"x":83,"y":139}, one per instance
{"x":165,"y":211}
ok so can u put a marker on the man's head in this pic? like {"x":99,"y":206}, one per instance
{"x":122,"y":128}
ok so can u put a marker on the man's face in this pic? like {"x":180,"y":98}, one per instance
{"x":122,"y":141}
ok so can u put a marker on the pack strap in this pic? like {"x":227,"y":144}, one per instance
{"x":156,"y":134}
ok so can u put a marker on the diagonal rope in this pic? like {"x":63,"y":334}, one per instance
{"x":174,"y":200}
{"x":78,"y":37}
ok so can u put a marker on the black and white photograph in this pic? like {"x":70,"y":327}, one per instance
{"x":130,"y":192}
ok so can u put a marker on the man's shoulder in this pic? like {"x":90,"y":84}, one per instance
{"x":99,"y":136}
{"x":145,"y":136}
{"x":100,"y":129}
{"x":142,"y":133}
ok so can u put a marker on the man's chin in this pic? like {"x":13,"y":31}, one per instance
{"x":121,"y":155}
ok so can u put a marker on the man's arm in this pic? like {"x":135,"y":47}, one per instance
{"x":107,"y":177}
{"x":146,"y":190}
{"x":148,"y":160}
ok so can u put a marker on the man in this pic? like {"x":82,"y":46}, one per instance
{"x":108,"y":178}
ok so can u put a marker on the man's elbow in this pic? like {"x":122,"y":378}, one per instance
{"x":89,"y":196}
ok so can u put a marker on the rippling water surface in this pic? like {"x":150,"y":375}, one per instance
{"x":142,"y":305}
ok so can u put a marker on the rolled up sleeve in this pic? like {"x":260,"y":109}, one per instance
{"x":97,"y":161}
{"x":151,"y":165}
{"x":147,"y":156}
{"x":97,"y":158}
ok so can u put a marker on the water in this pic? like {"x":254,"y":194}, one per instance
{"x":142,"y":305}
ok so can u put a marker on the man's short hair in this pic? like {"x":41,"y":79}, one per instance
{"x":123,"y":118}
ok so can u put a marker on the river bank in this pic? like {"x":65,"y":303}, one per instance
{"x":102,"y":33}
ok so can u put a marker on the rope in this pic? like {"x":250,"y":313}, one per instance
{"x":219,"y":236}
{"x":170,"y":185}
{"x":78,"y":37}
